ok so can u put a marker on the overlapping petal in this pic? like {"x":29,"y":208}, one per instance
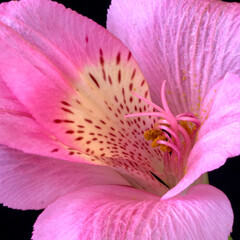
{"x":19,"y":130}
{"x":76,"y":79}
{"x":30,"y":181}
{"x":219,"y":135}
{"x":190,"y":43}
{"x":114,"y":212}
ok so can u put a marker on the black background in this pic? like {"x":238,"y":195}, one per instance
{"x":17,"y":225}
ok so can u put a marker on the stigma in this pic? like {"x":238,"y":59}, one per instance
{"x":171,"y":134}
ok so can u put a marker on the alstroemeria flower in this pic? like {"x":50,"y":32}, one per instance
{"x":81,"y":137}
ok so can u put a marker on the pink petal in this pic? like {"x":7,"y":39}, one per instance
{"x":114,"y":212}
{"x":190,"y":43}
{"x":19,"y":130}
{"x":219,"y":136}
{"x":76,"y":80}
{"x":29,"y":181}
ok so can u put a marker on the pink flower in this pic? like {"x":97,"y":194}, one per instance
{"x":75,"y":110}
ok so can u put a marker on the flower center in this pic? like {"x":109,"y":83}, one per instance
{"x":172,"y":134}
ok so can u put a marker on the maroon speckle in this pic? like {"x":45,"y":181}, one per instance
{"x":78,"y":102}
{"x":79,"y":138}
{"x":143,"y":81}
{"x":119,"y":76}
{"x":97,"y":127}
{"x":94,"y":80}
{"x":101,"y":57}
{"x":102,"y":122}
{"x":80,"y":126}
{"x":129,"y":56}
{"x":130,"y":99}
{"x":118,"y":59}
{"x":88,"y":120}
{"x":86,"y":39}
{"x":146,"y":93}
{"x":104,"y":74}
{"x":68,"y":121}
{"x":88,"y":142}
{"x":55,"y":150}
{"x":133,"y":74}
{"x":130,"y":87}
{"x":65,"y":103}
{"x":57,"y":121}
{"x":71,"y":153}
{"x":116,"y":99}
{"x":69,"y":131}
{"x":110,"y":80}
{"x":67,"y":110}
{"x":80,"y":131}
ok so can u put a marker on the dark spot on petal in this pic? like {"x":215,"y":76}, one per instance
{"x":143,"y":81}
{"x":79,"y":138}
{"x":119,"y":76}
{"x":57,"y":121}
{"x":54,"y":150}
{"x":129,"y":56}
{"x":94,"y":80}
{"x":67,"y":110}
{"x":130,"y":87}
{"x":88,"y":120}
{"x":118,"y":59}
{"x":133,"y":74}
{"x":102,"y":122}
{"x":68,"y":121}
{"x":110,"y":80}
{"x":69,"y":131}
{"x":65,"y":103}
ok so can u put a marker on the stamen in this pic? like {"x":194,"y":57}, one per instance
{"x":186,"y":138}
{"x":170,"y":132}
{"x":157,"y":114}
{"x":171,"y":146}
{"x":149,"y":102}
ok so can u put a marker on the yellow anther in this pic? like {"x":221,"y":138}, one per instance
{"x":155,"y":144}
{"x":165,"y":148}
{"x":155,"y":135}
{"x":152,"y":134}
{"x":188,"y":126}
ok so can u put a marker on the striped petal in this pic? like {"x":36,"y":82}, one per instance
{"x":115,"y":212}
{"x":190,"y":43}
{"x":29,"y":181}
{"x":76,"y":80}
{"x":219,"y":135}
